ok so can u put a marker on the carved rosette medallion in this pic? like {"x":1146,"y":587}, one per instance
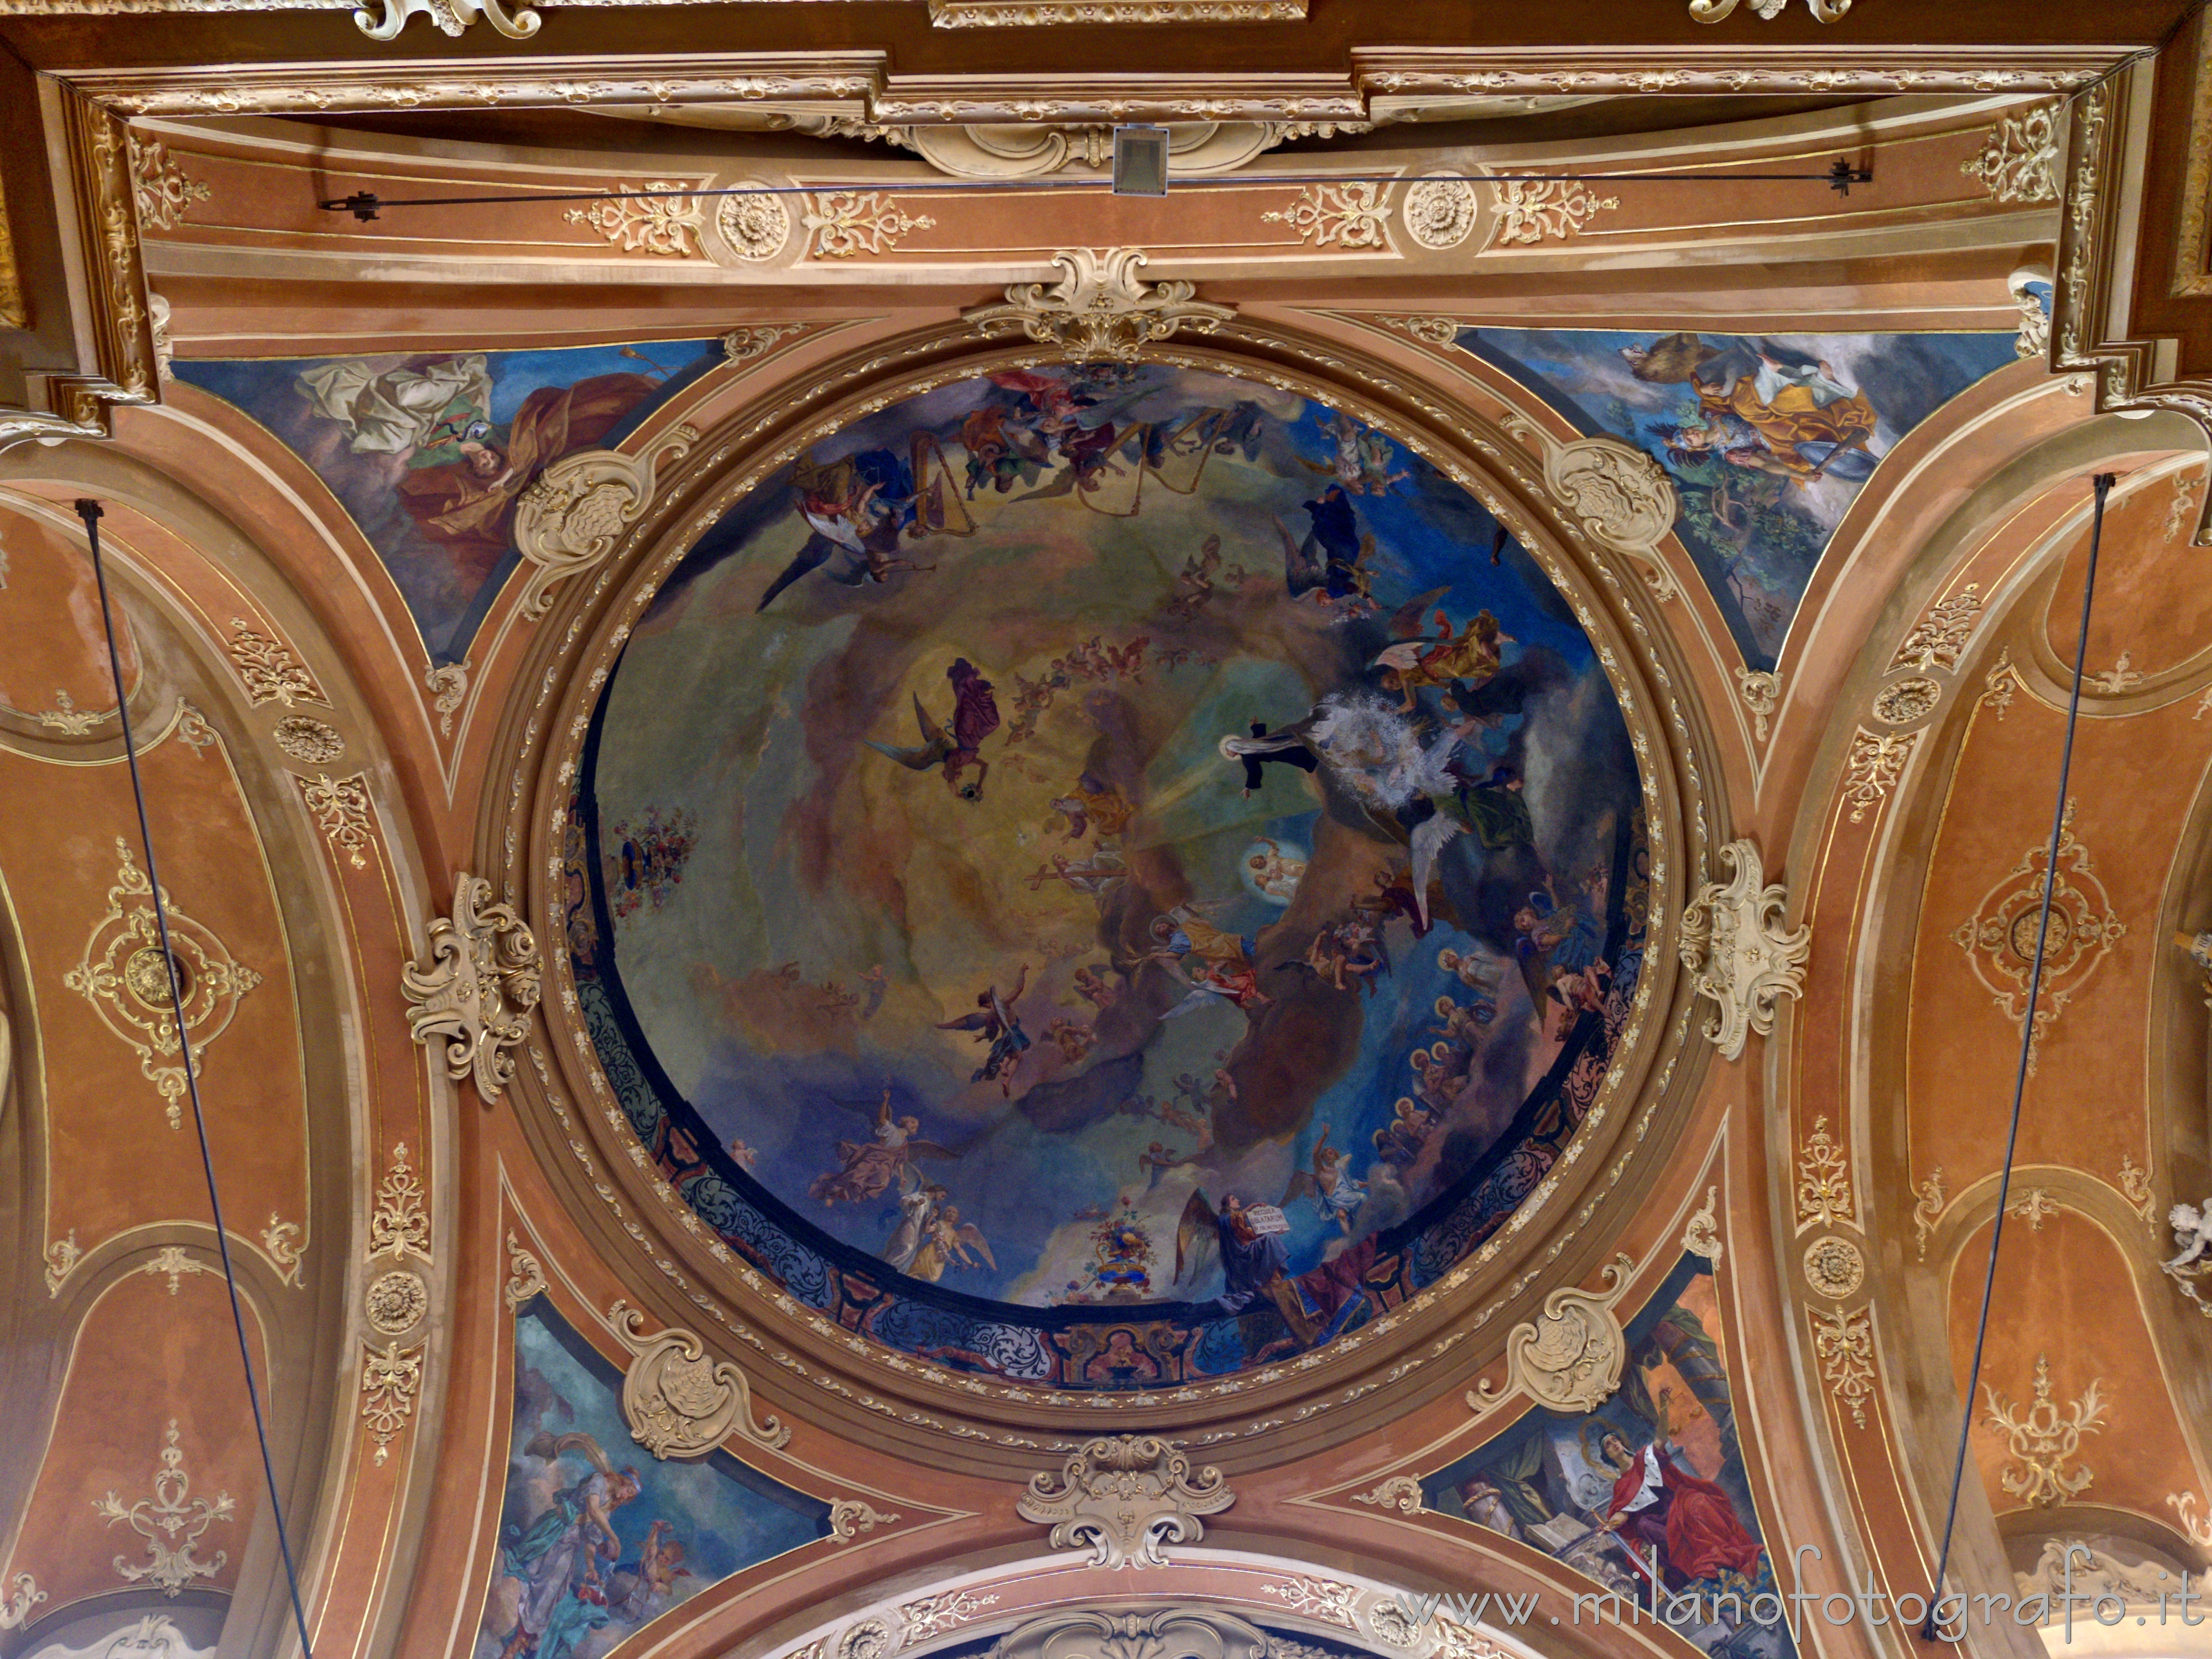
{"x":1098,"y":309}
{"x":397,"y":1302}
{"x":679,"y":1403}
{"x":307,"y":739}
{"x":476,"y":988}
{"x":1570,"y":1358}
{"x":754,"y":226}
{"x":1999,"y":937}
{"x":1123,"y":1498}
{"x":124,"y":976}
{"x":1440,"y":213}
{"x":1903,"y":702}
{"x":1834,"y":1268}
{"x":1621,"y":495}
{"x":1734,"y":943}
{"x":576,"y":512}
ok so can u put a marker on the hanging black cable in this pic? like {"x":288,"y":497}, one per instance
{"x":89,"y":512}
{"x":2103,"y":483}
{"x":365,"y":204}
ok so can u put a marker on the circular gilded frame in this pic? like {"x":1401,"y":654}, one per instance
{"x":576,"y":656}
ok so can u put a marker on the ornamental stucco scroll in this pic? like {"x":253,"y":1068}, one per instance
{"x":477,"y":987}
{"x":679,"y":1402}
{"x":1739,"y":955}
{"x":1122,"y":1497}
{"x":1570,"y":1358}
{"x":1621,"y":497}
{"x":576,"y":512}
{"x":1099,"y":309}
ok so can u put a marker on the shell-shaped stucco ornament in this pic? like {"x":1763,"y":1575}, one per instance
{"x":1741,"y":956}
{"x":579,"y":507}
{"x":1570,"y":1358}
{"x":1622,"y":497}
{"x":476,"y":988}
{"x":1099,"y":309}
{"x":680,"y":1403}
{"x":1123,"y":1497}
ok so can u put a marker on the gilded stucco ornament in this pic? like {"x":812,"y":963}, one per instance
{"x":124,"y":976}
{"x":1570,"y":1358}
{"x":1703,"y":1236}
{"x":1734,"y":943}
{"x":1620,"y":496}
{"x":679,"y":1403}
{"x":478,"y":988}
{"x":22,"y":1594}
{"x":1123,"y":1497}
{"x":2044,"y":1439}
{"x":1099,"y":309}
{"x":171,"y":1522}
{"x":1400,"y":1492}
{"x":1712,"y":11}
{"x":525,"y":1277}
{"x":571,"y":518}
{"x":851,"y":1516}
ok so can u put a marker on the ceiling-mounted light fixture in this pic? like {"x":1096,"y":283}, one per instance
{"x":1141,"y":160}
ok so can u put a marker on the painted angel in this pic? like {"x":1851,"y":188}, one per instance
{"x":1329,"y":1184}
{"x":948,"y":1243}
{"x":995,"y":1022}
{"x":974,"y":717}
{"x":866,"y":1168}
{"x":560,"y":1550}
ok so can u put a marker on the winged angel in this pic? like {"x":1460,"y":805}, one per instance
{"x":557,"y":1557}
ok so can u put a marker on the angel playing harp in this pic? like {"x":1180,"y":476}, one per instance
{"x":868,"y":1168}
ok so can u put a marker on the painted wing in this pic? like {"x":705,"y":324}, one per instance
{"x":812,"y":556}
{"x":935,"y":745}
{"x":1409,"y":621}
{"x":1304,"y":569}
{"x":1199,"y":997}
{"x":1428,"y":838}
{"x":1198,"y":1236}
{"x":968,"y":1234}
{"x":550,"y":1446}
{"x":1302,"y":1185}
{"x":932,"y":1149}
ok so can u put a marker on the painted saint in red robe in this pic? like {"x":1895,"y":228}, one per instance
{"x":1658,"y":1505}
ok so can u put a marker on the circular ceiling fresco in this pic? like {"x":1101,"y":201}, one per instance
{"x":1106,"y":876}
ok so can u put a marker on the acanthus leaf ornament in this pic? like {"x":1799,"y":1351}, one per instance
{"x":575,"y":513}
{"x":679,"y":1402}
{"x":1099,"y":309}
{"x":851,"y":1516}
{"x":525,"y":1277}
{"x":478,"y":988}
{"x":1844,"y":1345}
{"x":171,"y":1522}
{"x":390,"y":1378}
{"x":1703,"y":1236}
{"x":400,"y":1225}
{"x":124,"y":976}
{"x":933,"y":1615}
{"x":1400,"y":1492}
{"x":1172,"y":1632}
{"x":21,"y":1594}
{"x":1734,"y":943}
{"x":1570,"y":1358}
{"x":1620,"y":496}
{"x":1123,"y":1497}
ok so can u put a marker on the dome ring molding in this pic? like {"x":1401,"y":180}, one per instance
{"x":1560,"y":1229}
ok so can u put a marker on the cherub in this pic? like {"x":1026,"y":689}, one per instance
{"x":1092,"y":986}
{"x":1073,"y":1039}
{"x":2192,"y":1231}
{"x":1194,"y":584}
{"x":1329,"y":1184}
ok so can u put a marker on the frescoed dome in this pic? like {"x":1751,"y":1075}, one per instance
{"x":1107,"y":836}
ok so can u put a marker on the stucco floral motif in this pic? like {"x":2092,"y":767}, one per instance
{"x":1834,"y":1267}
{"x":1123,"y":1498}
{"x":846,"y":223}
{"x":477,"y":987}
{"x":1999,"y":937}
{"x":1569,"y":1359}
{"x":1345,"y":216}
{"x":124,"y":976}
{"x":755,"y":225}
{"x":1733,"y":941}
{"x":397,"y":1302}
{"x":1440,"y":213}
{"x":2044,"y":1439}
{"x":1529,"y":210}
{"x":305,"y":738}
{"x":171,"y":1522}
{"x":2019,"y":162}
{"x":679,"y":1403}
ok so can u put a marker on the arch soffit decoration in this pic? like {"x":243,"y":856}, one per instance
{"x":573,"y":655}
{"x":180,"y":566}
{"x":2011,"y":519}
